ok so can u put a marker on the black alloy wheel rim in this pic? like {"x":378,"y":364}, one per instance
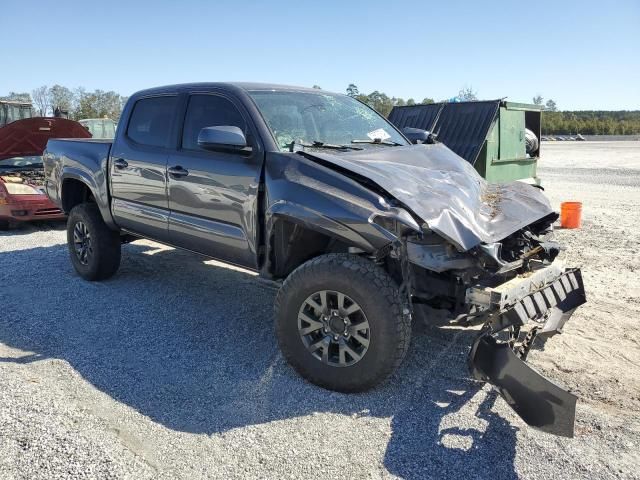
{"x":82,"y":243}
{"x":334,"y":328}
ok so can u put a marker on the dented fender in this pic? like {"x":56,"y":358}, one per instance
{"x":305,"y":192}
{"x":312,"y":220}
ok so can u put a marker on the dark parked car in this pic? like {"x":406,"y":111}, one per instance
{"x":319,"y":191}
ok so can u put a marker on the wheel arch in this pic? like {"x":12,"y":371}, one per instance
{"x":295,"y":234}
{"x":76,"y":188}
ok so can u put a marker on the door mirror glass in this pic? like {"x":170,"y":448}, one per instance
{"x":223,"y":137}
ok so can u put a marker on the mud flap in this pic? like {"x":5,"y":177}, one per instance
{"x":539,"y":402}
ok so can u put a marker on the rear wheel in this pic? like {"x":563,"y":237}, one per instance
{"x":93,"y":247}
{"x":340,"y":323}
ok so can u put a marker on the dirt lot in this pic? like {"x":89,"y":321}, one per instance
{"x":170,"y":369}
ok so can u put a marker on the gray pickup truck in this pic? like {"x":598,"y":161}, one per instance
{"x":358,"y":221}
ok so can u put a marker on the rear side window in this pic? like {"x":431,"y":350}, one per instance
{"x":150,"y":122}
{"x":208,"y":111}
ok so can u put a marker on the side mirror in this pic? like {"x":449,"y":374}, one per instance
{"x":223,"y":137}
{"x":417,"y":135}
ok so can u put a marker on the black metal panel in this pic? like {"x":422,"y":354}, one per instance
{"x":416,"y":116}
{"x":463,"y":127}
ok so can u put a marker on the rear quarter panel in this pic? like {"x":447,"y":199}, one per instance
{"x":82,"y":160}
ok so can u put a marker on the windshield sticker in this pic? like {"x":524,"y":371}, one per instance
{"x":379,"y":134}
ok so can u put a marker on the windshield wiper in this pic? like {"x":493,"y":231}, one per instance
{"x":377,"y":141}
{"x":317,"y":144}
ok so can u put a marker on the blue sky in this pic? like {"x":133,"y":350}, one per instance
{"x":584,"y":55}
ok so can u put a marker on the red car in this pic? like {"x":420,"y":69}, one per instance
{"x":22,"y":142}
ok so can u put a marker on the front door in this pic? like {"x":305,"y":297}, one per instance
{"x":213,"y":196}
{"x":138,"y":168}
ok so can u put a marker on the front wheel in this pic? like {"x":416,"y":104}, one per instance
{"x":93,"y":247}
{"x":340,"y":322}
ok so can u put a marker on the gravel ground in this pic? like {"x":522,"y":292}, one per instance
{"x":170,"y":369}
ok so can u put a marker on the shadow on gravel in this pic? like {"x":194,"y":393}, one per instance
{"x":30,"y":227}
{"x":191,"y":346}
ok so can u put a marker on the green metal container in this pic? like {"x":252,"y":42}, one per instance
{"x":503,"y":157}
{"x":489,"y":134}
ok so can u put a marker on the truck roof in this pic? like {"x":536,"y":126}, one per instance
{"x":246,"y":86}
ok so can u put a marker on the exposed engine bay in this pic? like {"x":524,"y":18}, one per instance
{"x":517,"y":294}
{"x":33,"y":177}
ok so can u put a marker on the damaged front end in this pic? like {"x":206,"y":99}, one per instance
{"x":516,"y":292}
{"x":515,"y":314}
{"x":482,"y":251}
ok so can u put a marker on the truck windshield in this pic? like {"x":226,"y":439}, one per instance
{"x":322,"y":118}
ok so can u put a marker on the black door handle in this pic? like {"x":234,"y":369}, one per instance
{"x":120,"y":163}
{"x":178,"y":171}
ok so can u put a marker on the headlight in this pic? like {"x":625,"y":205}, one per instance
{"x":21,"y":189}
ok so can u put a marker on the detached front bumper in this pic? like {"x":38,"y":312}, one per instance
{"x":544,"y":301}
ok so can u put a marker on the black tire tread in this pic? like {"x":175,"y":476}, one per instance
{"x":106,"y":242}
{"x":386,"y":288}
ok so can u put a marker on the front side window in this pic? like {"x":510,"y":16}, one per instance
{"x":208,"y":111}
{"x":151,"y":119}
{"x":310,"y":117}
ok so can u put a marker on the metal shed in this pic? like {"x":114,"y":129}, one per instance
{"x":10,"y":111}
{"x":488,"y":134}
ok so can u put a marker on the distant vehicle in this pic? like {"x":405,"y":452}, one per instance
{"x":580,"y":138}
{"x":22,"y":142}
{"x":10,"y":111}
{"x":357,"y":219}
{"x":99,"y":127}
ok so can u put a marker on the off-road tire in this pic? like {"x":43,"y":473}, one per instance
{"x":4,"y":225}
{"x":377,"y":294}
{"x":105,"y":258}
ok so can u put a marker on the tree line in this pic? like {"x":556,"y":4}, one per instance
{"x":586,"y":122}
{"x":77,"y":103}
{"x":80,"y":103}
{"x":591,"y":122}
{"x":381,"y":102}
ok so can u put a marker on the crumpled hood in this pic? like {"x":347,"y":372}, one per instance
{"x":446,"y":192}
{"x":29,"y":136}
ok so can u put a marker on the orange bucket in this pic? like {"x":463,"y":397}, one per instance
{"x":570,"y":214}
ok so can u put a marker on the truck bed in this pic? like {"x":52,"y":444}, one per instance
{"x":84,"y":160}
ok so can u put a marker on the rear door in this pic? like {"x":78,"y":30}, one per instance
{"x":213,"y":196}
{"x":138,"y":167}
